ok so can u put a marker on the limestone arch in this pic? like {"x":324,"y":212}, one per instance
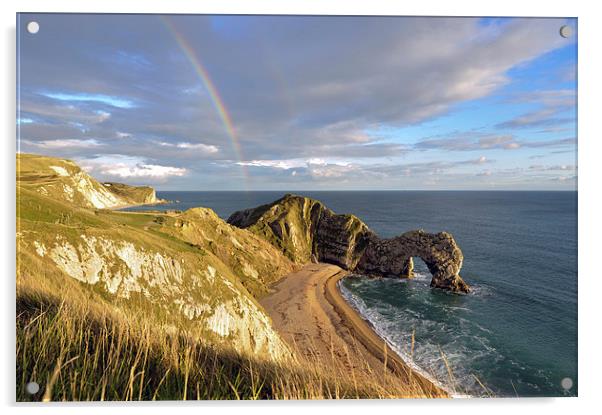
{"x":393,"y":258}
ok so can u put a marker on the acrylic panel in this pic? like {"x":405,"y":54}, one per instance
{"x":295,"y":207}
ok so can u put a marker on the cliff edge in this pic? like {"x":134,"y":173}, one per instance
{"x":64,"y":180}
{"x":135,"y":195}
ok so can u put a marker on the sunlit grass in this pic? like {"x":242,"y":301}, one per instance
{"x":79,"y":349}
{"x":80,"y":354}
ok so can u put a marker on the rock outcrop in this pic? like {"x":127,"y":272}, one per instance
{"x":64,"y":180}
{"x":305,"y":230}
{"x":135,"y":195}
{"x":393,"y":258}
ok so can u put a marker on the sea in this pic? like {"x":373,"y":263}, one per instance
{"x":515,"y":334}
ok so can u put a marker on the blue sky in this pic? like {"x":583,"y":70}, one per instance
{"x":303,"y":103}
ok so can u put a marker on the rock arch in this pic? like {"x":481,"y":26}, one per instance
{"x":393,"y":258}
{"x":306,"y":230}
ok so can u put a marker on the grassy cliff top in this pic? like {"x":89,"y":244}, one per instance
{"x":37,"y":169}
{"x":64,"y":180}
{"x":136,"y":194}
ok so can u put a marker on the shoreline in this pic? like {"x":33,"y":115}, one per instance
{"x":370,"y":337}
{"x":120,"y":207}
{"x":335,"y":290}
{"x":309,"y":312}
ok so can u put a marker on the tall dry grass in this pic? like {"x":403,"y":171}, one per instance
{"x":80,"y":346}
{"x":81,"y":352}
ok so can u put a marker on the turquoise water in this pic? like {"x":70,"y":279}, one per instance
{"x":516,"y":333}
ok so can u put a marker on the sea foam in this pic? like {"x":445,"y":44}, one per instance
{"x":379,"y":325}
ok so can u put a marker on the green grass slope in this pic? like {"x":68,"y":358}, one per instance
{"x":120,"y":257}
{"x":255,"y":262}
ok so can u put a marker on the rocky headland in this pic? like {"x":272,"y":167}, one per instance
{"x":135,"y":195}
{"x":61,"y":179}
{"x":307,"y":231}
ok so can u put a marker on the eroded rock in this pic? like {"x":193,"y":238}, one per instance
{"x":393,"y":258}
{"x":306,"y":230}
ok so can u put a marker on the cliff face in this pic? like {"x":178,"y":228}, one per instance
{"x":134,"y":195}
{"x":304,"y":229}
{"x":190,"y":273}
{"x":289,"y":224}
{"x":63,"y":180}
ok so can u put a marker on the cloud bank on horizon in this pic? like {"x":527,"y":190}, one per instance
{"x":297,"y":103}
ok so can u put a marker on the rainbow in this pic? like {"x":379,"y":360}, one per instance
{"x":216,"y":98}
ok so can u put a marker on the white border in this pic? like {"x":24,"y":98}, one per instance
{"x":589,"y":193}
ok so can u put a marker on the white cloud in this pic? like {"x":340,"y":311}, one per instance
{"x":63,"y":113}
{"x":66,"y":143}
{"x":277,"y":164}
{"x":205,"y":148}
{"x":552,"y":111}
{"x":103,"y":116}
{"x":559,"y":167}
{"x":143,"y":170}
{"x":331,"y":171}
{"x":288,"y":164}
{"x":470,"y":141}
{"x":128,"y":167}
{"x":564,"y":178}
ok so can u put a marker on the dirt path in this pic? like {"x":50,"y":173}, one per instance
{"x":309,"y":312}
